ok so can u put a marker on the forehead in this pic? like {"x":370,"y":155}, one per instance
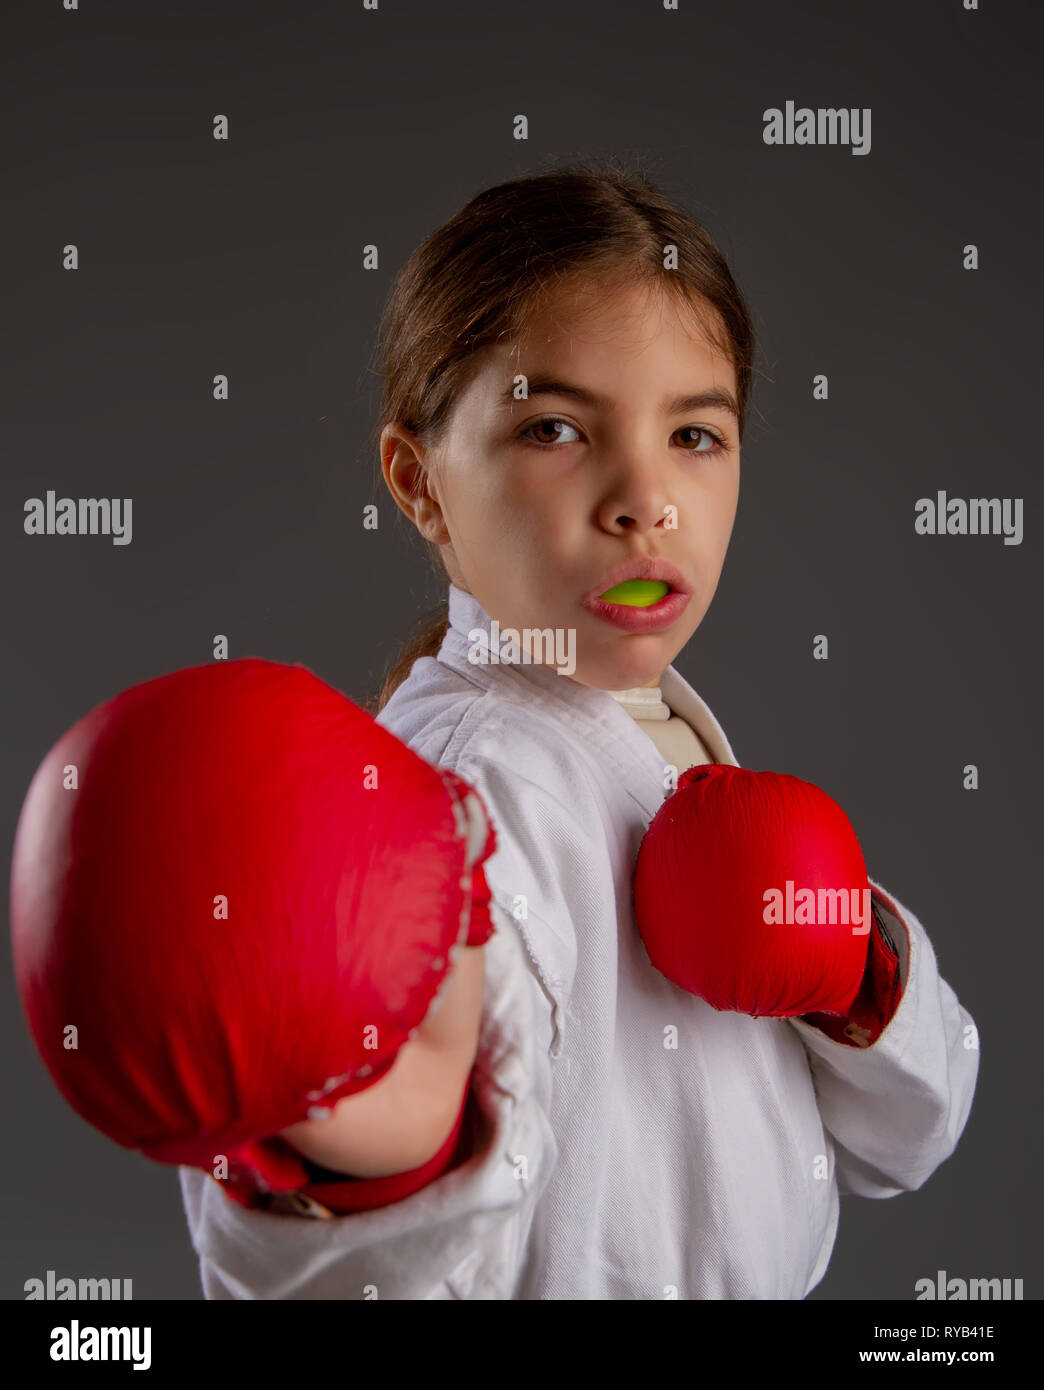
{"x":618,"y":336}
{"x":621,"y":304}
{"x":608,"y":321}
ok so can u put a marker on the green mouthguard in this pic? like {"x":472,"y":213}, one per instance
{"x":636,"y":593}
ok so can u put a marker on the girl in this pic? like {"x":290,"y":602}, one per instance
{"x":567,"y":370}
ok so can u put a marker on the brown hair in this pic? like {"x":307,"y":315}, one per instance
{"x":483,"y":275}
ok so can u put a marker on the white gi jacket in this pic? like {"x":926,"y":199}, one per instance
{"x":614,"y":1165}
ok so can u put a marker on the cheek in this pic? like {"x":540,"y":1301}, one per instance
{"x":483,"y":511}
{"x":533,"y":521}
{"x":720,"y":503}
{"x":711,"y":513}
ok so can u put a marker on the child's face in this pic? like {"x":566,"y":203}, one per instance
{"x":530,"y":528}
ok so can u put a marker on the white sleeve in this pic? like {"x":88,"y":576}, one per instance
{"x":463,"y":1236}
{"x":896,"y":1109}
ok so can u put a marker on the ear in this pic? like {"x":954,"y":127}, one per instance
{"x":407,"y":472}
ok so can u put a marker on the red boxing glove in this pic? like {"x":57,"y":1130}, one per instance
{"x":867,"y":1016}
{"x":234,"y":895}
{"x":750,"y":891}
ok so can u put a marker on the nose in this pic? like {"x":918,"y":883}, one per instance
{"x":636,"y":497}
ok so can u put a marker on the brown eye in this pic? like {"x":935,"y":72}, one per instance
{"x":549,"y":422}
{"x":716,"y":440}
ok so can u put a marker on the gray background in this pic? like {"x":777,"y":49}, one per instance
{"x":350,"y":127}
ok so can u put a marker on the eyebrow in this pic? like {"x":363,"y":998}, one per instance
{"x":540,"y":384}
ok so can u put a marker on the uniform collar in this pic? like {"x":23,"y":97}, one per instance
{"x":592,"y":714}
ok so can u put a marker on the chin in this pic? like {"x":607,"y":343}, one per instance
{"x":620,"y":675}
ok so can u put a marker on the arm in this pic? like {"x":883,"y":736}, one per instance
{"x":461,"y":1236}
{"x":897,"y":1108}
{"x":405,"y":1118}
{"x":457,"y":1237}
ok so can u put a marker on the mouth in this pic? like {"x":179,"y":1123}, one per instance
{"x":640,"y":583}
{"x":637,"y":593}
{"x":640,"y":595}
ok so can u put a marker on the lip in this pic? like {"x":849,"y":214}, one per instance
{"x":658,"y":615}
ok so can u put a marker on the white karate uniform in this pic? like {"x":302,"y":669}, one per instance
{"x":613,"y":1164}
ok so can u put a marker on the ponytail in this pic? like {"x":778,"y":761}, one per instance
{"x":426,"y":642}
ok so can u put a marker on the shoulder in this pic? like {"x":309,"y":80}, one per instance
{"x":429,"y":707}
{"x":511,"y":751}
